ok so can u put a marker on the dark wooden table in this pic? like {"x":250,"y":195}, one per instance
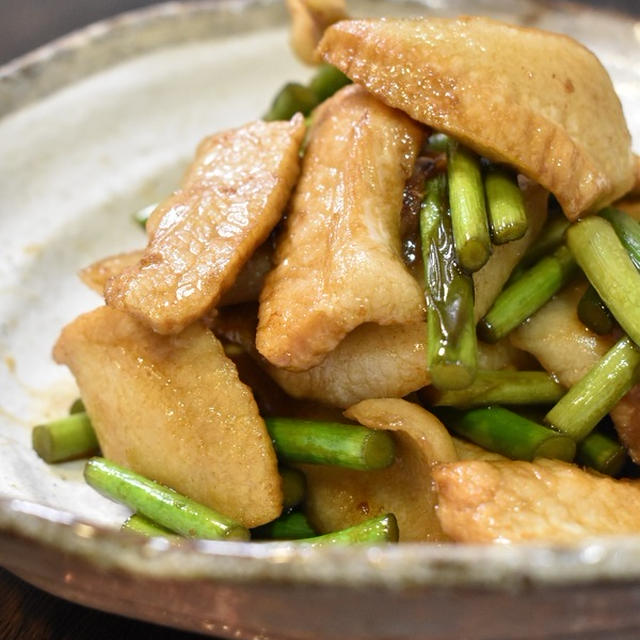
{"x":27,"y":613}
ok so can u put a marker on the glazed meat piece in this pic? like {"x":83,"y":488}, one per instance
{"x":231,"y":198}
{"x":309,"y":19}
{"x":371,"y":362}
{"x":172,"y":409}
{"x":246,"y":287}
{"x":543,"y":501}
{"x":339,"y":264}
{"x":379,"y":362}
{"x":97,"y":274}
{"x":469,"y":76}
{"x":338,"y":498}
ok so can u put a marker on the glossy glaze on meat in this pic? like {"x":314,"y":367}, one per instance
{"x":543,"y":501}
{"x":231,"y":198}
{"x":339,"y":262}
{"x":536,"y":100}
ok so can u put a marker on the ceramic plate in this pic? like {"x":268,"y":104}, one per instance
{"x":101,"y":123}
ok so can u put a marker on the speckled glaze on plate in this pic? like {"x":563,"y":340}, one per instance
{"x":101,"y":123}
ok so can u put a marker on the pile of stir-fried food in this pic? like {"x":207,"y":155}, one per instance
{"x":405,"y":304}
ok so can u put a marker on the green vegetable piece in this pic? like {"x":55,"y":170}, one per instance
{"x":628,"y":231}
{"x":452,"y":357}
{"x":502,"y":431}
{"x":505,"y":205}
{"x":164,"y":506}
{"x":137,"y":523}
{"x":609,"y":269}
{"x":291,"y":99}
{"x":294,"y":485}
{"x":373,"y":531}
{"x":289,"y":526}
{"x":602,"y":453}
{"x":527,"y":294}
{"x":69,"y":438}
{"x":77,"y":406}
{"x":467,"y":202}
{"x":499,"y":387}
{"x":593,"y":313}
{"x":590,"y":399}
{"x":326,"y":81}
{"x":331,"y":443}
{"x":142,"y":215}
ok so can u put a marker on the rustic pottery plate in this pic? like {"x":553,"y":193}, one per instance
{"x":100,"y":123}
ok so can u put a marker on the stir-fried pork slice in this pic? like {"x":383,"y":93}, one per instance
{"x":339,"y":265}
{"x":246,"y":287}
{"x":371,"y":362}
{"x":172,"y":408}
{"x":567,"y":349}
{"x":489,"y":281}
{"x":309,"y":19}
{"x":380,"y":362}
{"x":97,"y":274}
{"x":469,"y":76}
{"x":232,"y":196}
{"x":546,"y":501}
{"x":337,"y":498}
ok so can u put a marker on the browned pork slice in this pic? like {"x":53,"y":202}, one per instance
{"x":337,"y":498}
{"x":533,"y":99}
{"x":309,"y":19}
{"x":379,"y":362}
{"x":567,"y":349}
{"x":246,"y":287}
{"x":97,"y":274}
{"x":172,"y":408}
{"x":231,"y":198}
{"x":339,"y":265}
{"x":371,"y":362}
{"x":542,"y":501}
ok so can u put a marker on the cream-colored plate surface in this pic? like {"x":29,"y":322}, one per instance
{"x":101,"y":123}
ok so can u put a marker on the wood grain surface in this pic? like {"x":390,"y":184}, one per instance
{"x":27,"y":613}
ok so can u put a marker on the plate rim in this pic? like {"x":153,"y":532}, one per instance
{"x":449,"y":565}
